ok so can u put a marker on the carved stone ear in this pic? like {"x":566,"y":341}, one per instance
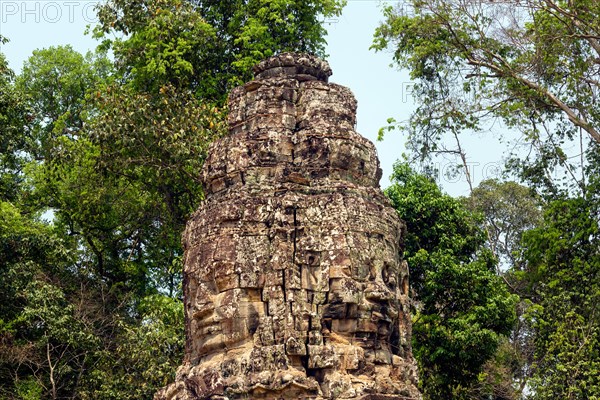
{"x":292,"y":261}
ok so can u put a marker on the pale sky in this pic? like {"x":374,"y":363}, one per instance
{"x":382,"y":91}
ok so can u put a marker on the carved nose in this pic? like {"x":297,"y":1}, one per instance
{"x":378,"y":292}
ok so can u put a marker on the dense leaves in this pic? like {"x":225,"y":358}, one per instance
{"x":43,"y":343}
{"x":54,"y":82}
{"x":209,"y":47}
{"x":564,"y":273}
{"x":167,"y":42}
{"x":13,"y":118}
{"x":462,"y":307}
{"x":157,"y":140}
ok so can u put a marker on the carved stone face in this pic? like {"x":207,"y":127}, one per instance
{"x":224,"y":320}
{"x":222,"y":314}
{"x":364,"y":296}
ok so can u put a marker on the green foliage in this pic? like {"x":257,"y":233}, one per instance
{"x":41,"y":342}
{"x":509,"y":210}
{"x":463,"y":308}
{"x":142,"y":358}
{"x":268,"y":27}
{"x":28,"y":389}
{"x":563,"y":271}
{"x":13,"y":116}
{"x":448,"y":224}
{"x":66,"y":330}
{"x":102,"y":213}
{"x":75,"y":292}
{"x":54,"y":82}
{"x":530,"y":64}
{"x":168,"y":42}
{"x":159,"y":140}
{"x":209,"y":46}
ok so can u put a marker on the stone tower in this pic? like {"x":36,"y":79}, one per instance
{"x":294,"y":286}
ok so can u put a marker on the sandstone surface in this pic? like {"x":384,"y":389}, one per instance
{"x":294,"y":286}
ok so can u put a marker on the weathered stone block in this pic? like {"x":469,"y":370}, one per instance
{"x":320,"y":357}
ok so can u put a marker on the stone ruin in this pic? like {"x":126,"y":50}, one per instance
{"x":293,"y":282}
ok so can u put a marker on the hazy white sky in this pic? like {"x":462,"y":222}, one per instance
{"x":382,"y":92}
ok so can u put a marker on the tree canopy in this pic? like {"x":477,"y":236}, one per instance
{"x":531,"y":64}
{"x":462,"y":307}
{"x":209,"y":47}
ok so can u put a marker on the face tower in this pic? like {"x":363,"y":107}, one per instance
{"x":294,"y":286}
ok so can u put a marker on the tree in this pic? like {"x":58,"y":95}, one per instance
{"x":462,"y":307}
{"x":61,"y":336}
{"x":92,"y":209}
{"x":14,"y":139}
{"x":159,"y":140}
{"x":561,"y":274}
{"x":509,"y":209}
{"x":87,"y":286}
{"x":139,"y":360}
{"x":40,"y":354}
{"x":167,"y":42}
{"x":156,"y":143}
{"x":209,"y":47}
{"x":509,"y":212}
{"x":562,"y":257}
{"x":532,"y":64}
{"x":45,"y":342}
{"x":54,"y":82}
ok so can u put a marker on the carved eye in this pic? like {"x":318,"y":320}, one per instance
{"x":389,"y":277}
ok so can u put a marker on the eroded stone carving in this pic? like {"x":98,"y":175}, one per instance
{"x":294,"y":288}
